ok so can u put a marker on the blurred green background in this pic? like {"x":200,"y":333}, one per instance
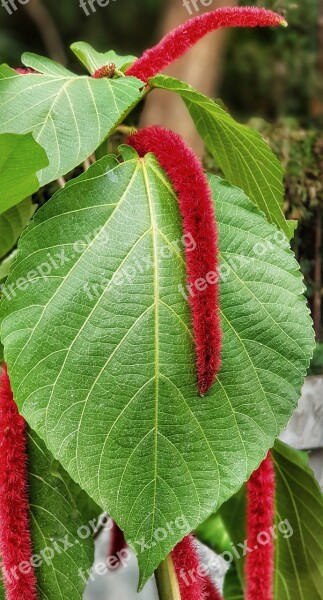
{"x":272,"y":77}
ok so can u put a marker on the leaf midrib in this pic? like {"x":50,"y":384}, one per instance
{"x":154,"y":233}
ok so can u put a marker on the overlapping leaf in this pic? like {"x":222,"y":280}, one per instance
{"x":12,"y":223}
{"x":60,"y":550}
{"x":101,"y":355}
{"x":243,"y":155}
{"x":232,"y":589}
{"x":94,"y":60}
{"x":5,"y":265}
{"x":20,"y":159}
{"x":299,"y":572}
{"x":69,"y":116}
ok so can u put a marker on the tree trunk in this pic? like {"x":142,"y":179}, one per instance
{"x":200,"y":67}
{"x":317,"y":110}
{"x":317,"y":299}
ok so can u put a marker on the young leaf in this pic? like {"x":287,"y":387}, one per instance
{"x":20,"y":159}
{"x":59,"y":552}
{"x":94,"y":60}
{"x":12,"y":223}
{"x":69,"y":116}
{"x":107,"y":330}
{"x":243,"y":155}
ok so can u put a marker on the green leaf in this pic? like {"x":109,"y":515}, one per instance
{"x":214,"y":534}
{"x":69,"y":116}
{"x":5,"y":266}
{"x":243,"y":155}
{"x":232,"y":589}
{"x":20,"y":159}
{"x":60,"y":549}
{"x":94,"y":60}
{"x":233,"y":515}
{"x":12,"y":224}
{"x":101,"y":355}
{"x":299,"y":573}
{"x":299,"y":528}
{"x":55,"y":521}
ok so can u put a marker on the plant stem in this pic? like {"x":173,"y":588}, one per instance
{"x":47,"y":29}
{"x":166,"y":580}
{"x":125,"y":130}
{"x":61,"y":182}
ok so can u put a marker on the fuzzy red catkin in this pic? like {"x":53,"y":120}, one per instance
{"x":196,"y":207}
{"x":25,"y":71}
{"x":15,"y":537}
{"x":260,"y":518}
{"x":181,"y":39}
{"x":193,"y":583}
{"x":107,"y":71}
{"x":117,"y":542}
{"x":211,"y":591}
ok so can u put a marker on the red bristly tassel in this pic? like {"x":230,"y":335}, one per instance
{"x":15,"y":538}
{"x":196,"y":207}
{"x":181,"y":39}
{"x":117,"y":541}
{"x":107,"y":71}
{"x":260,"y":519}
{"x":212,"y":593}
{"x":26,"y":71}
{"x":193,"y":582}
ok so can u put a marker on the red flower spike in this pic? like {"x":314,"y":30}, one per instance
{"x":23,"y":71}
{"x":212,"y":593}
{"x":117,"y":541}
{"x":187,"y":566}
{"x":194,"y":583}
{"x":107,"y":71}
{"x":15,"y":537}
{"x":181,"y":39}
{"x":260,"y":520}
{"x":196,"y":206}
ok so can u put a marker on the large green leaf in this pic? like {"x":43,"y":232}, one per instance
{"x":299,"y":530}
{"x":101,"y":355}
{"x":69,"y":116}
{"x":94,"y":60}
{"x":243,"y":155}
{"x":20,"y":159}
{"x":60,"y":548}
{"x":12,"y":223}
{"x":299,"y":571}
